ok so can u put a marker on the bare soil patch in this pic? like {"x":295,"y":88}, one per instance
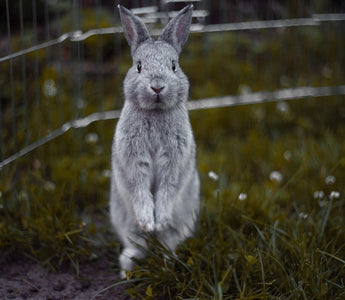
{"x":22,"y":278}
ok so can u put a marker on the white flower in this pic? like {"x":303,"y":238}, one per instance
{"x":213,"y":175}
{"x":283,"y":107}
{"x":242,"y":197}
{"x":276,"y":176}
{"x":334,"y":195}
{"x":49,"y":186}
{"x":318,"y":194}
{"x":330,"y":179}
{"x":91,"y":138}
{"x":303,"y":215}
{"x":49,"y":88}
{"x":106,"y":173}
{"x":244,"y":89}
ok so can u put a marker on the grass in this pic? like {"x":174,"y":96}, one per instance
{"x":273,"y":206}
{"x":281,"y":241}
{"x":283,"y":238}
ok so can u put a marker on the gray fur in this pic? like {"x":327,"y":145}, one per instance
{"x":155,"y":182}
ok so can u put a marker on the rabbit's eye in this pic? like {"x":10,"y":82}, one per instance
{"x":139,"y":66}
{"x":173,"y":66}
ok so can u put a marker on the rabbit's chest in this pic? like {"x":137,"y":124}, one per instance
{"x":163,"y":141}
{"x":155,"y":138}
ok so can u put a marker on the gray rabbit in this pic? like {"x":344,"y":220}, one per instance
{"x":154,"y":183}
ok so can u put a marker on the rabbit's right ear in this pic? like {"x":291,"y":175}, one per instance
{"x":134,"y":29}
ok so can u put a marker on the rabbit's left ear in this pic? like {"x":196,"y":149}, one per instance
{"x":177,"y":30}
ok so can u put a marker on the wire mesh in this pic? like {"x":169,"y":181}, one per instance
{"x":63,"y":63}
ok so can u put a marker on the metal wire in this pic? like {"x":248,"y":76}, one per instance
{"x":226,"y":101}
{"x":99,"y":58}
{"x":1,"y":129}
{"x":76,"y":38}
{"x":36,"y":72}
{"x":78,"y":35}
{"x":23,"y":62}
{"x":13,"y":106}
{"x":35,"y":48}
{"x":48,"y":57}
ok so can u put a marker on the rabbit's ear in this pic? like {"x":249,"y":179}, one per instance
{"x":177,"y":30}
{"x":134,"y":29}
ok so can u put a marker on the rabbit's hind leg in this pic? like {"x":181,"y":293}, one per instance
{"x":170,"y":238}
{"x":134,"y":248}
{"x":125,"y":259}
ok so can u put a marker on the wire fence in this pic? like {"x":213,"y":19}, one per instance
{"x":64,"y":71}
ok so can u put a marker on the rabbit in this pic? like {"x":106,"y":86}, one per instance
{"x":154,"y":180}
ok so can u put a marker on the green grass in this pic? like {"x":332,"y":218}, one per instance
{"x":281,"y":241}
{"x":261,"y":235}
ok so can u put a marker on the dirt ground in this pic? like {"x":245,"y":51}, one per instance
{"x":24,"y":279}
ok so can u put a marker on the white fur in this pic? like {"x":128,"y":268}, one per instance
{"x":155,"y":182}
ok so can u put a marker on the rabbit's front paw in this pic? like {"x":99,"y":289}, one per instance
{"x":163,"y":210}
{"x":160,"y":226}
{"x":162,"y":221}
{"x":147,"y":226}
{"x":144,"y":212}
{"x":146,"y":222}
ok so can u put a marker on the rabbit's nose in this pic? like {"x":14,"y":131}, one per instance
{"x":157,"y":90}
{"x":157,"y":85}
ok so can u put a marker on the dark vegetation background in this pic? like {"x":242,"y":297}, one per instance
{"x":272,"y":223}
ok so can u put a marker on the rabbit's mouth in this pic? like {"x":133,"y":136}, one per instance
{"x":158,"y":98}
{"x":158,"y":102}
{"x":162,"y":100}
{"x":154,"y":102}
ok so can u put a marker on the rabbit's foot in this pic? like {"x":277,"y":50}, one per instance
{"x":145,"y":215}
{"x":160,"y":226}
{"x":162,"y":221}
{"x":148,"y":227}
{"x":163,"y":214}
{"x":126,"y":260}
{"x":146,"y":224}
